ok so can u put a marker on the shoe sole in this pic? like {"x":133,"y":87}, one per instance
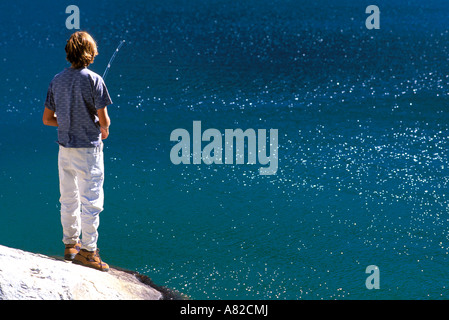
{"x":69,"y":257}
{"x":89,"y":266}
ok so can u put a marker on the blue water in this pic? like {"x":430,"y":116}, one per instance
{"x":363,"y":139}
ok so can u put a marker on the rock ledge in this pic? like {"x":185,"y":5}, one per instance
{"x":29,"y":276}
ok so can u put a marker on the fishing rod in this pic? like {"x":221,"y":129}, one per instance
{"x":112,"y":58}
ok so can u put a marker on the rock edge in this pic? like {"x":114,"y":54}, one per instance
{"x":30,"y":276}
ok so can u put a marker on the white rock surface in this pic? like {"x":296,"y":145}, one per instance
{"x":30,"y":276}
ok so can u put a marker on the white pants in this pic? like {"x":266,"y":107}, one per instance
{"x":81,"y":176}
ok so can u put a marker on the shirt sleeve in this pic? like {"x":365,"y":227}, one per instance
{"x":50,"y":101}
{"x":101,"y":94}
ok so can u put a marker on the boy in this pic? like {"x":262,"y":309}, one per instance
{"x":76,"y":103}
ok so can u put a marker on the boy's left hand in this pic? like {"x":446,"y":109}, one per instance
{"x":104,"y":133}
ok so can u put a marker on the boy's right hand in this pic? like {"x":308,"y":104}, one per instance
{"x":104,"y":133}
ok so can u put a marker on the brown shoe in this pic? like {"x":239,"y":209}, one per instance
{"x":71,"y":250}
{"x":90,"y":259}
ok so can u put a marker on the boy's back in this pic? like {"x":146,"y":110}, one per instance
{"x":75,"y":95}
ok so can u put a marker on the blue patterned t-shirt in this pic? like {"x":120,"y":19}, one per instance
{"x":75,"y":95}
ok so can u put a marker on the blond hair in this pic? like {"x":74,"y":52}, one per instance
{"x":81,"y":49}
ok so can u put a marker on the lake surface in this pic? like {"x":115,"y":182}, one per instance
{"x":362,"y":119}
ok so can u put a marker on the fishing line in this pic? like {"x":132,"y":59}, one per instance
{"x":112,"y":58}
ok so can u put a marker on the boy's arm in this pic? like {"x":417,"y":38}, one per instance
{"x":49,"y":118}
{"x":105,"y":122}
